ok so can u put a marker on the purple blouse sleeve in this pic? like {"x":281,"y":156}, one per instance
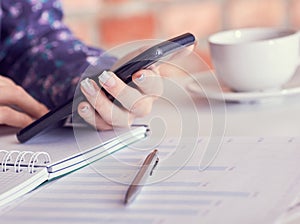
{"x":40,"y":53}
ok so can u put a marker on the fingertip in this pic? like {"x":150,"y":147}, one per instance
{"x":84,"y":109}
{"x":142,"y":107}
{"x":89,"y":87}
{"x":86,"y":113}
{"x":91,"y":117}
{"x":138,"y":77}
{"x":107,"y":78}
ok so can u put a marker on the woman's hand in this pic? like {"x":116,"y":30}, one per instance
{"x":103,"y":114}
{"x":17,"y":107}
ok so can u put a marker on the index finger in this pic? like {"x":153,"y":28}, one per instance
{"x":16,"y":95}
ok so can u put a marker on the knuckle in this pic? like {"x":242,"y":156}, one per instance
{"x":153,"y":85}
{"x":124,"y":119}
{"x":142,"y":107}
{"x":8,"y":80}
{"x":118,"y":90}
{"x":19,"y":91}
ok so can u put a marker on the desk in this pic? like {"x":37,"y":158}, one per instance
{"x":87,"y":197}
{"x":273,"y":117}
{"x":278,"y":117}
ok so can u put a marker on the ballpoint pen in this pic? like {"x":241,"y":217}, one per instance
{"x":145,"y":171}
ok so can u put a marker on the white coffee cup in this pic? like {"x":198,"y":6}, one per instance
{"x":255,"y":59}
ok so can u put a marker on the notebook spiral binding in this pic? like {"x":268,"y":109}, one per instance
{"x":19,"y":161}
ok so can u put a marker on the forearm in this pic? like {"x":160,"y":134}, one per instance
{"x":51,"y":75}
{"x":39,"y":53}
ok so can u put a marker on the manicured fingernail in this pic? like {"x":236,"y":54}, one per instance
{"x":88,"y":87}
{"x":140,"y":77}
{"x":85,"y":109}
{"x":107,"y":79}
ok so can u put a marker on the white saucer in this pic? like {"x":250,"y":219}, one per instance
{"x":206,"y":85}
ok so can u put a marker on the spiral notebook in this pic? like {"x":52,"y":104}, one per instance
{"x":26,"y":166}
{"x":252,"y":180}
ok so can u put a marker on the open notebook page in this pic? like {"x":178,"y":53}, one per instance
{"x":13,"y":185}
{"x":26,"y":166}
{"x":252,"y":180}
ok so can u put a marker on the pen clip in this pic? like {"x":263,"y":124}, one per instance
{"x":155,"y":164}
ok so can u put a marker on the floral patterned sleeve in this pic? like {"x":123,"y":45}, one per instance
{"x":40,"y":53}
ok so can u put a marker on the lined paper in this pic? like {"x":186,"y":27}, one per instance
{"x":251,"y":180}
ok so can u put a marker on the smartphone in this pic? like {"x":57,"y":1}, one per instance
{"x":148,"y":57}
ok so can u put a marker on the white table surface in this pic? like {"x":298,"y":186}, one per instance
{"x":268,"y":118}
{"x":175,"y":112}
{"x":272,"y":117}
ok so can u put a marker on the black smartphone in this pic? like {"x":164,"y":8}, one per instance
{"x":125,"y":71}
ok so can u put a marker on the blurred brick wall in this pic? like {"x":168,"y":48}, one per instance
{"x":107,"y":23}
